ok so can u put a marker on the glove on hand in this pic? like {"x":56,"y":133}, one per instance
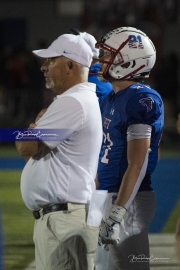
{"x":103,"y":240}
{"x":102,"y":232}
{"x":113,"y":222}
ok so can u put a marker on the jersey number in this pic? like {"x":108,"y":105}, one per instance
{"x":108,"y":145}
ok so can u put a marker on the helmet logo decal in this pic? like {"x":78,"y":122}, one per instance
{"x":135,"y":42}
{"x":148,"y":102}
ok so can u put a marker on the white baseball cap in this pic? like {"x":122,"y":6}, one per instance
{"x":91,"y":41}
{"x":70,"y":46}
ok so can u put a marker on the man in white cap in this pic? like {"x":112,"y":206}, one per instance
{"x":58,"y":180}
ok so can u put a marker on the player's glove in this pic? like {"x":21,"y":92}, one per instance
{"x":113,"y":222}
{"x":103,"y":234}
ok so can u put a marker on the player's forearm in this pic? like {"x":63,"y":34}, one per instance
{"x":138,"y":154}
{"x":127,"y":188}
{"x":29,"y":149}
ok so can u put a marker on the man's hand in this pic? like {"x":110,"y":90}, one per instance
{"x":102,"y":235}
{"x":40,"y":114}
{"x":110,"y":230}
{"x":113,"y":222}
{"x":32,"y":125}
{"x":29,"y":149}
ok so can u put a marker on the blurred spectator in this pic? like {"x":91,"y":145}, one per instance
{"x":16,"y":82}
{"x":178,"y":124}
{"x":24,"y":87}
{"x":151,"y":23}
{"x":166,"y":79}
{"x":33,"y":93}
{"x":48,"y":95}
{"x":2,"y":100}
{"x":4,"y":114}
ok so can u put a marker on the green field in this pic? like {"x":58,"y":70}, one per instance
{"x":8,"y":150}
{"x":17,"y":223}
{"x":170,"y":226}
{"x":17,"y":220}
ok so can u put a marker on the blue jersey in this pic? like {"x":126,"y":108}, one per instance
{"x":137,"y":104}
{"x":102,"y":88}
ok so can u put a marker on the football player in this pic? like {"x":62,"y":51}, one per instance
{"x":133,"y":118}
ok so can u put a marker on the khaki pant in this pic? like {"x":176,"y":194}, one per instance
{"x":63,"y":241}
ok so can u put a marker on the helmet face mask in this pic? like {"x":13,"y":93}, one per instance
{"x":132,"y":54}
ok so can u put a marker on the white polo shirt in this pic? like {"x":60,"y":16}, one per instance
{"x":64,"y":171}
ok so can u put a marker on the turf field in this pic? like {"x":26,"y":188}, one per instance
{"x":18,"y":221}
{"x":18,"y":247}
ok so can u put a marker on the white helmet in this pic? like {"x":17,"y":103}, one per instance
{"x":133,"y":54}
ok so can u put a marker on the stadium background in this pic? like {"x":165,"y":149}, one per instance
{"x":27,"y":25}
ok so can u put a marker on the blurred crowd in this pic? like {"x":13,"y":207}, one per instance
{"x":151,"y":16}
{"x":22,"y":87}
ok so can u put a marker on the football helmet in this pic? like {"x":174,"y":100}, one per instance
{"x":132,"y":54}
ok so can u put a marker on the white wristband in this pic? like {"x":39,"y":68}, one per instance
{"x":117,"y":213}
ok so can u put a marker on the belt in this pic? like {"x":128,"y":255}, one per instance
{"x":50,"y":208}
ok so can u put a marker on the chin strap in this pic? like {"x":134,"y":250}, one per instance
{"x":132,"y":73}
